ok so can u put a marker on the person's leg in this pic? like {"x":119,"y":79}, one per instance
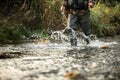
{"x":73,"y":22}
{"x":84,"y":21}
{"x":85,"y":24}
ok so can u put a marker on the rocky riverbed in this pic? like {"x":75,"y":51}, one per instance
{"x":100,"y":60}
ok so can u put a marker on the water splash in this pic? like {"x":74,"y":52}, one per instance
{"x":63,"y":46}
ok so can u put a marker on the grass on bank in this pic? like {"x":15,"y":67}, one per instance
{"x":105,"y":20}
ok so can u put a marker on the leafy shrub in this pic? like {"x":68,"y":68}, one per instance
{"x":10,"y":35}
{"x":105,"y":20}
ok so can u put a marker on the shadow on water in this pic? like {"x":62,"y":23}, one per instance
{"x":10,"y":55}
{"x":86,"y":52}
{"x":50,"y":72}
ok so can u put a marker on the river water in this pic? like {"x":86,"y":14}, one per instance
{"x":51,"y":61}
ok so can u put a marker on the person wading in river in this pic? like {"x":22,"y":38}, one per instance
{"x":80,"y":14}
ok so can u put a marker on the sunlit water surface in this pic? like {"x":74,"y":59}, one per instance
{"x":53,"y":46}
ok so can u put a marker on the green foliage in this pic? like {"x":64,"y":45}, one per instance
{"x":3,"y":38}
{"x":105,"y":20}
{"x":26,"y":17}
{"x":10,"y":35}
{"x":110,"y":3}
{"x":50,"y":14}
{"x":43,"y":33}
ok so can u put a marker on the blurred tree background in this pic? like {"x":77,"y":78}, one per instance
{"x":24,"y":17}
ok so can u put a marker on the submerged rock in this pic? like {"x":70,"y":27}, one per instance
{"x":5,"y":55}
